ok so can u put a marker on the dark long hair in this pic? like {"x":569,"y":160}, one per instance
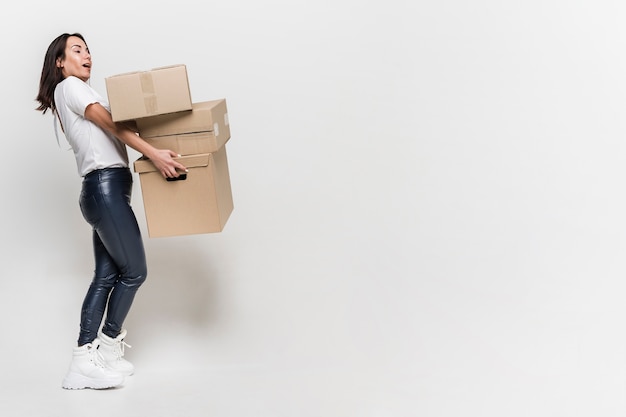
{"x":51,"y":75}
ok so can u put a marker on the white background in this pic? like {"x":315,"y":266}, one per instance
{"x":430,"y":212}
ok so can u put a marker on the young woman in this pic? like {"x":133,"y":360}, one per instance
{"x":99,"y":145}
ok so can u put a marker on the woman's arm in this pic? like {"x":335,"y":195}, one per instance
{"x":161,"y":158}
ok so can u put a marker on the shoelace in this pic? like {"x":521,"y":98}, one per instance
{"x":119,"y":348}
{"x":96,"y":356}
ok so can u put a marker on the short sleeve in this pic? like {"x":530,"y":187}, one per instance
{"x":78,"y":95}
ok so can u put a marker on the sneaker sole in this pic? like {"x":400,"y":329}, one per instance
{"x":74,"y":381}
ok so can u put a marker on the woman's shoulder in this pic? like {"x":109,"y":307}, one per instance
{"x":73,"y":85}
{"x":73,"y":81}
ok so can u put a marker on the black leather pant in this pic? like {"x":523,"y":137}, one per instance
{"x":120,"y":261}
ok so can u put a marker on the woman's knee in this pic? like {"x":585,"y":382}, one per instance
{"x":134,"y":277}
{"x":106,"y":281}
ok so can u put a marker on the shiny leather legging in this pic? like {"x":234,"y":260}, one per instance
{"x":120,"y":261}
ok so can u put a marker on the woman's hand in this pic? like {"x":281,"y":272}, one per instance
{"x":163,"y":160}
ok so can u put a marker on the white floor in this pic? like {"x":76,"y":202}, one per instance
{"x":206,"y":344}
{"x":434,"y":361}
{"x":183,"y":378}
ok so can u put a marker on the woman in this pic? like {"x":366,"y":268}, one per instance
{"x":99,"y":145}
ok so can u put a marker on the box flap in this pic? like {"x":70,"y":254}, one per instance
{"x":144,"y":165}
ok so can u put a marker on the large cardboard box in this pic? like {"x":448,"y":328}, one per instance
{"x":200,"y":203}
{"x":138,"y":94}
{"x":204,"y":129}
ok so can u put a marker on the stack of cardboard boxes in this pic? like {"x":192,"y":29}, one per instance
{"x":159,"y":103}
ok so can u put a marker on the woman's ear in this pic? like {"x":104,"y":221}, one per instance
{"x":59,"y":65}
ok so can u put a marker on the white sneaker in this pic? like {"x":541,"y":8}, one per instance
{"x":87,"y":370}
{"x":113,"y":353}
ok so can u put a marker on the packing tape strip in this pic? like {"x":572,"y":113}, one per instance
{"x":149,"y":95}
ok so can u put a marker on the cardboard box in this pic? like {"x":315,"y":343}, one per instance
{"x":200,"y":203}
{"x":138,"y":94}
{"x":204,"y":129}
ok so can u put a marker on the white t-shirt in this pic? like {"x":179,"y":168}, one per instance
{"x":93,"y":147}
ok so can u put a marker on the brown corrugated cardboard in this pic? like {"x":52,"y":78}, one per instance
{"x":187,"y":143}
{"x":138,"y":94}
{"x":200,"y":203}
{"x":207,"y":121}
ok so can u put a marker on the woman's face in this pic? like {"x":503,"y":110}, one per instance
{"x":77,"y":61}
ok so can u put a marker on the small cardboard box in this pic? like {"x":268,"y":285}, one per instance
{"x":138,"y":94}
{"x":200,"y":203}
{"x":202,"y":130}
